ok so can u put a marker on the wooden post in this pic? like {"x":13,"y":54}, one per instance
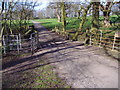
{"x":4,"y":44}
{"x":101,"y":35}
{"x":114,"y":43}
{"x":7,"y":43}
{"x":20,"y":42}
{"x":31,"y":39}
{"x":0,"y":51}
{"x":90,"y":38}
{"x":37,"y":39}
{"x":117,"y":34}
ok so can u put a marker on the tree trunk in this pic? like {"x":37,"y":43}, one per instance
{"x":95,"y":15}
{"x":79,"y":14}
{"x":106,"y":12}
{"x":58,"y":15}
{"x":106,"y":15}
{"x":95,"y":21}
{"x":59,"y":18}
{"x":1,"y":28}
{"x":63,"y":15}
{"x":82,"y":22}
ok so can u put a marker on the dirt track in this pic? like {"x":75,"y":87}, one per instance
{"x":81,"y":66}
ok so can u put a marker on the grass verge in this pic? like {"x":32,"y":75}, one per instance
{"x":35,"y":75}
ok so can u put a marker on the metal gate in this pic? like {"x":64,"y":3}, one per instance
{"x":19,"y":43}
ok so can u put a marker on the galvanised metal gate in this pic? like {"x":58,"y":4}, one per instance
{"x":19,"y":43}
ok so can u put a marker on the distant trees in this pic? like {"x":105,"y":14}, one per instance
{"x":40,"y":14}
{"x":116,"y":9}
{"x":72,"y":9}
{"x":56,"y":6}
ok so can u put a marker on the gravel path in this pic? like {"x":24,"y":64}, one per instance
{"x":81,"y":66}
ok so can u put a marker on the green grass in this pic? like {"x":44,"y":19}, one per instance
{"x":73,"y":24}
{"x":42,"y":77}
{"x":48,"y":79}
{"x":16,"y":22}
{"x":38,"y":75}
{"x":15,"y":26}
{"x":49,"y":23}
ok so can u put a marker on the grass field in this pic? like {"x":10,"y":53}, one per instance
{"x":73,"y":23}
{"x":15,"y":26}
{"x":48,"y":23}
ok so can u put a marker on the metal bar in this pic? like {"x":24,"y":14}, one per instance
{"x":14,"y":42}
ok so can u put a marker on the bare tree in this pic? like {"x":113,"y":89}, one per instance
{"x":11,"y":12}
{"x":106,"y":11}
{"x":82,"y":22}
{"x":57,"y":8}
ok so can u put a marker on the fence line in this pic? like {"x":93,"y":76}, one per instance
{"x":108,"y":40}
{"x":105,"y":39}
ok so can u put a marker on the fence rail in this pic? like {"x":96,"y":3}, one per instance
{"x":111,"y":41}
{"x":106,"y":38}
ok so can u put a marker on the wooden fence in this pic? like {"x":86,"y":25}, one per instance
{"x":107,"y":38}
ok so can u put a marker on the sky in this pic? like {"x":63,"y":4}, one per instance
{"x":42,"y":6}
{"x":45,"y":3}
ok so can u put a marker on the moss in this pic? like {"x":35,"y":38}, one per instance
{"x":48,"y":79}
{"x":63,"y":14}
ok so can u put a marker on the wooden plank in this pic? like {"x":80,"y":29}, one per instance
{"x":105,"y":30}
{"x":110,"y":46}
